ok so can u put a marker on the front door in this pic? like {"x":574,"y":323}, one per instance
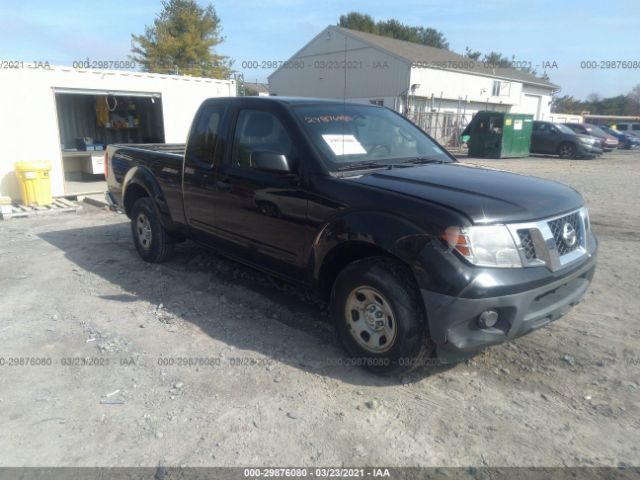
{"x":260,"y":213}
{"x":543,"y":139}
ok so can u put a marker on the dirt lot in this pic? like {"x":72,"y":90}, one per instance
{"x":272,"y":388}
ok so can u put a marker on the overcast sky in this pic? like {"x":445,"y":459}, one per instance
{"x":564,"y":32}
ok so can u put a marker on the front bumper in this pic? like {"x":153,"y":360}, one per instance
{"x":453,"y":321}
{"x":588,"y":150}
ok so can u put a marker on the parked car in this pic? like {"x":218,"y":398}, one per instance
{"x":608,"y":142}
{"x":557,"y":139}
{"x":418,"y":255}
{"x":625,"y":140}
{"x":631,"y":128}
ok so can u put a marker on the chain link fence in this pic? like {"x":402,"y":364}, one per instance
{"x":445,"y":127}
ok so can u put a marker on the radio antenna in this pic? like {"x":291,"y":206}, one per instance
{"x":344,"y":95}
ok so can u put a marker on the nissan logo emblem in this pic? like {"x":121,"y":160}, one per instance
{"x":569,"y":235}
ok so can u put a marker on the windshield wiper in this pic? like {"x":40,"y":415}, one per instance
{"x":363,"y":166}
{"x":424,"y":160}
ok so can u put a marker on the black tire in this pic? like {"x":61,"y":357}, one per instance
{"x":410,"y":344}
{"x":153,"y":242}
{"x":567,"y":150}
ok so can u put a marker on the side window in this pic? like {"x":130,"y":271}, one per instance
{"x":206,"y":143}
{"x":622,"y":127}
{"x":635,"y":127}
{"x":258,"y":131}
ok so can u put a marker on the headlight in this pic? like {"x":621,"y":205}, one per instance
{"x":588,"y":141}
{"x":485,"y":246}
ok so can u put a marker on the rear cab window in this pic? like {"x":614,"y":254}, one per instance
{"x":206,"y":143}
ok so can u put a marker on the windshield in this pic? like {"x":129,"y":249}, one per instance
{"x":593,"y":130}
{"x":564,"y":128}
{"x":353,"y":135}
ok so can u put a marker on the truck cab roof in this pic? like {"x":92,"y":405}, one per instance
{"x":290,"y":100}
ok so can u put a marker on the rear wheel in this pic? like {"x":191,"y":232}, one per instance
{"x":153,"y":242}
{"x":567,"y":150}
{"x":379,"y":316}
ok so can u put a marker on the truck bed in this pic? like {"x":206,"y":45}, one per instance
{"x":175,"y":148}
{"x":162,"y":160}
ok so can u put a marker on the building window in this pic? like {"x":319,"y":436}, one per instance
{"x":495,"y":91}
{"x":379,"y":103}
{"x":500,"y":88}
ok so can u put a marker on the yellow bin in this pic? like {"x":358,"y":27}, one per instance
{"x":35,"y":184}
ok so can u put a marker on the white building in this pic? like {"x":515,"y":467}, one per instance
{"x":401,"y":74}
{"x":53,"y":114}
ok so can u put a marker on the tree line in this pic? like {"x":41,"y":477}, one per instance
{"x":628,"y":104}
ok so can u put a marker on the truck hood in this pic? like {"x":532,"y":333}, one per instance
{"x":484,"y":195}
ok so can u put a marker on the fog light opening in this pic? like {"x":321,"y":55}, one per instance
{"x":488,"y":319}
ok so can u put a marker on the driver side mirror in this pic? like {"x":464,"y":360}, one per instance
{"x":270,"y":161}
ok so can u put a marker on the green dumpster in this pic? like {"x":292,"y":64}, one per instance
{"x":499,"y":135}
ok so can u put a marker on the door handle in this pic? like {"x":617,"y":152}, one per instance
{"x":224,"y":185}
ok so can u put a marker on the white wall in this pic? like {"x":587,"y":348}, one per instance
{"x":514,"y":96}
{"x":565,"y":118}
{"x":535,"y":101}
{"x":453,"y":84}
{"x":29,"y":122}
{"x":372,"y":74}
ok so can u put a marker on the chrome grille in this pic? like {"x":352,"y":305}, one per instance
{"x":557,"y":229}
{"x":527,"y":244}
{"x":541,"y":242}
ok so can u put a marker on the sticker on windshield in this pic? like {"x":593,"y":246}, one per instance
{"x":517,"y":125}
{"x":344,"y":144}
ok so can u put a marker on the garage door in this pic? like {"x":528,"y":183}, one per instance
{"x":531,"y":105}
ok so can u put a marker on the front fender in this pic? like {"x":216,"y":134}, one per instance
{"x":395,"y":235}
{"x":141,"y":177}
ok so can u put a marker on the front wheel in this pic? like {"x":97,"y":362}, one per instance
{"x":379,"y":316}
{"x":153,"y":242}
{"x":567,"y":150}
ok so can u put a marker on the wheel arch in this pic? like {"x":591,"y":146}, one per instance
{"x":362,"y":235}
{"x":140,"y":182}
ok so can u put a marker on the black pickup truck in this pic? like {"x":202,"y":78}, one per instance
{"x":419,"y":255}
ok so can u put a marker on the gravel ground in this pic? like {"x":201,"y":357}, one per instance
{"x":270,"y":387}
